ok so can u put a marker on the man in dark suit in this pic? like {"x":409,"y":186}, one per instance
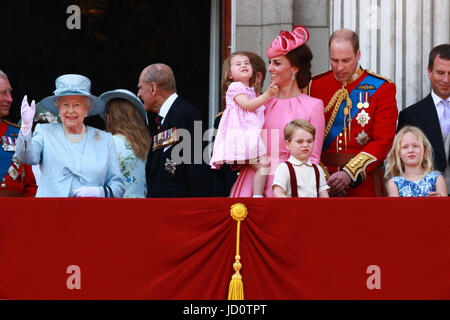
{"x":432,"y":114}
{"x":175,"y":166}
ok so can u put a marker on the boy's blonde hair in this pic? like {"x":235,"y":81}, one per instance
{"x":290,"y":128}
{"x":395,"y":166}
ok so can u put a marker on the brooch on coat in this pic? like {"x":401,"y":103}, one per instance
{"x":363,"y":118}
{"x":362,"y":138}
{"x":97,"y":136}
{"x":170,"y":166}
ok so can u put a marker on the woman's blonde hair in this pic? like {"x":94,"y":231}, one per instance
{"x":123,"y":118}
{"x":395,"y":166}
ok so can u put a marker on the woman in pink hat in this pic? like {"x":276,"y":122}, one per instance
{"x":290,"y":64}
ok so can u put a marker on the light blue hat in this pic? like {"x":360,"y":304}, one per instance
{"x":73,"y":85}
{"x":127,"y":95}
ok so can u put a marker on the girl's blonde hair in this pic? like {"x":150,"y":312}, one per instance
{"x":395,"y":166}
{"x":226,"y":81}
{"x":123,"y":118}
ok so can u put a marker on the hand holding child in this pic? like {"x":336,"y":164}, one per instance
{"x":272,"y":89}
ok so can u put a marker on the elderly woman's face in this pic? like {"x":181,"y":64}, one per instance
{"x":73,"y":110}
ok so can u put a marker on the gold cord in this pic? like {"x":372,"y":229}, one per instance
{"x":236,"y":289}
{"x":335,"y":101}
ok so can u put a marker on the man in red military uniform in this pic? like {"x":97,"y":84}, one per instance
{"x":16,"y":179}
{"x":360,"y":114}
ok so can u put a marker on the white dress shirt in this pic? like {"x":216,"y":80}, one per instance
{"x":306,"y":178}
{"x":166,"y":106}
{"x":439,"y":106}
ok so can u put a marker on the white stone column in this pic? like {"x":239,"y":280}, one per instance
{"x":441,"y":21}
{"x":396,"y":37}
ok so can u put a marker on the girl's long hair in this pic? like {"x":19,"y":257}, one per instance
{"x":226,"y":81}
{"x":123,"y":118}
{"x":395,"y":166}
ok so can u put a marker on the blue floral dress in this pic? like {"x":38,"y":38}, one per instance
{"x":133,"y":169}
{"x":419,"y":188}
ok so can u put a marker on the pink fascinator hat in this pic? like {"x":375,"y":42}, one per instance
{"x":288,"y":41}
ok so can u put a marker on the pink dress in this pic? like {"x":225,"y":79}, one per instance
{"x":238,"y":137}
{"x":278,"y":113}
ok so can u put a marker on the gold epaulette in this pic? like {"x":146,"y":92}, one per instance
{"x":358,"y":165}
{"x":219,"y":114}
{"x":307,"y":89}
{"x":10,"y":123}
{"x":378,"y":76}
{"x":320,"y":75}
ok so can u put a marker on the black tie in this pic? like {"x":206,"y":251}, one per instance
{"x":158,"y":121}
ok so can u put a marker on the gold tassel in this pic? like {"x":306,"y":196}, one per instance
{"x":236,"y":289}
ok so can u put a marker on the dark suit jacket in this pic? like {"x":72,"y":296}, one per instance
{"x":189,"y":179}
{"x":224,"y":178}
{"x":423,"y":115}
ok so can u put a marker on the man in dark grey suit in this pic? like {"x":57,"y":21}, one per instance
{"x":432,"y":114}
{"x":175,"y":166}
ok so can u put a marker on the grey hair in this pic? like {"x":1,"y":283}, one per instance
{"x":162,"y":75}
{"x":2,"y":74}
{"x":88,"y":102}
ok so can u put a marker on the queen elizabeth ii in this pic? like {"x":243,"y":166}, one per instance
{"x":75,"y":160}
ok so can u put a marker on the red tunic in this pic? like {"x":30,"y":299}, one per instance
{"x":20,"y":177}
{"x":371,"y":133}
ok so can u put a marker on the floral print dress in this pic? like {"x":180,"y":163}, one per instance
{"x":419,"y":188}
{"x":132,"y":167}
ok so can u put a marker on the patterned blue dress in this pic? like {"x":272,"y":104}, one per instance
{"x":419,"y":188}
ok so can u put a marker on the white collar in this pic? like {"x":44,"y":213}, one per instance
{"x":297,"y":162}
{"x":437,"y":99}
{"x":166,"y":106}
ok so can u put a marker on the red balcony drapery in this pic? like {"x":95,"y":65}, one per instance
{"x":185,"y":248}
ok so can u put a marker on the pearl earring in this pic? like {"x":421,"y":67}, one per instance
{"x":293,"y":76}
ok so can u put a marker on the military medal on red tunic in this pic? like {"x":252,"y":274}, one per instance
{"x":366,"y":100}
{"x":360,"y":104}
{"x":362,"y":138}
{"x":363,"y":118}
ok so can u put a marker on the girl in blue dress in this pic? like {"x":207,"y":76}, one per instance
{"x":410,"y":164}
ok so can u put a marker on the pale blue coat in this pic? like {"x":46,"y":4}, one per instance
{"x":66,"y":166}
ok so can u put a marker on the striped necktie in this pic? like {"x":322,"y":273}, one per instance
{"x":446,"y":118}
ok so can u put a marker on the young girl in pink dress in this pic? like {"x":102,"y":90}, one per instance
{"x":290,"y":65}
{"x":238,"y":140}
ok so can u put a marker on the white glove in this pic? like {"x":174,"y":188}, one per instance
{"x":93,"y":192}
{"x":27,"y":112}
